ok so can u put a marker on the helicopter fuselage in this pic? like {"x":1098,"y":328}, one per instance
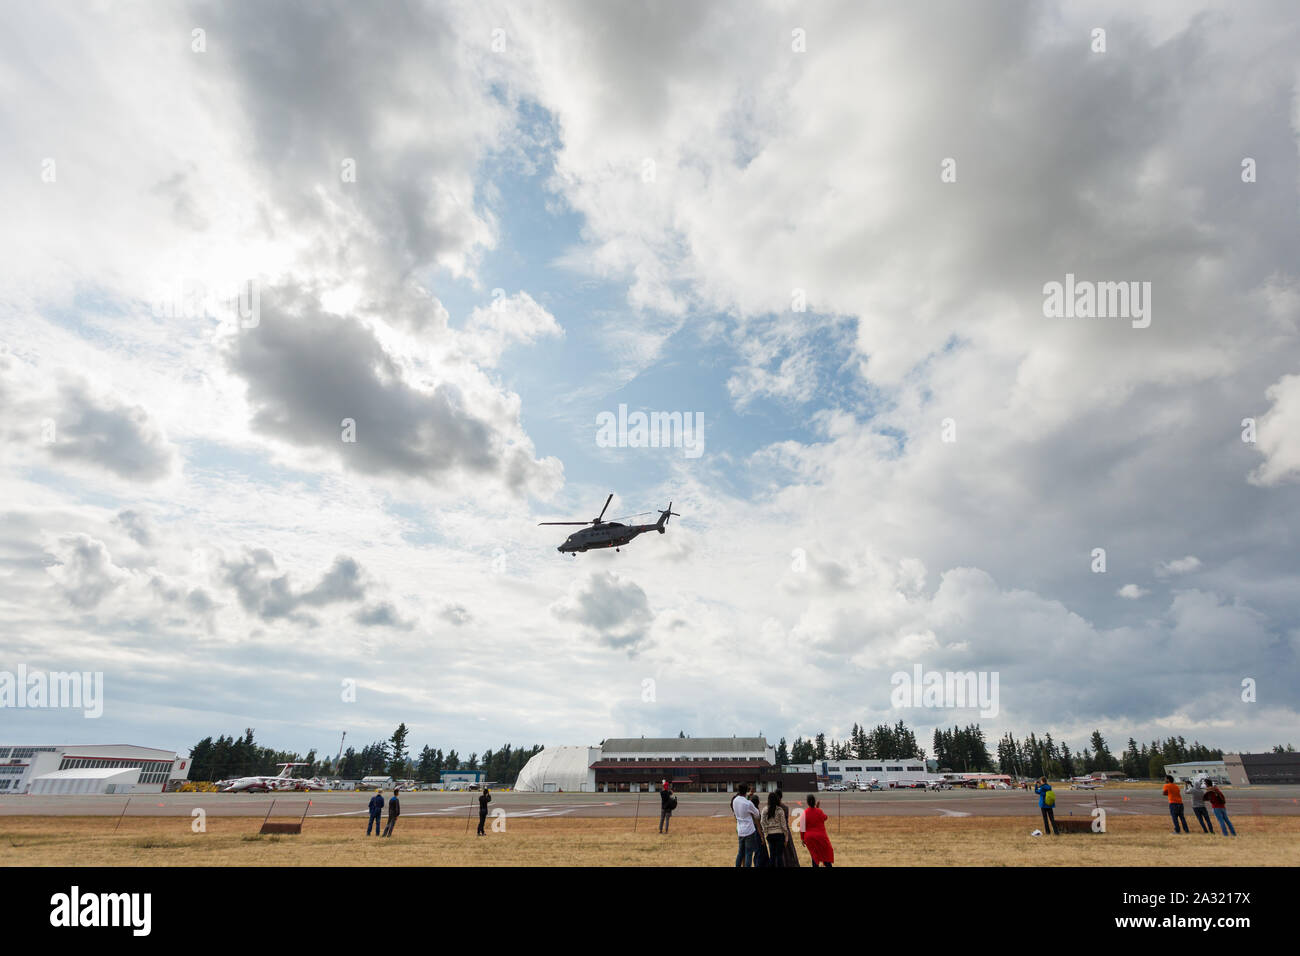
{"x":608,"y":534}
{"x":604,"y":535}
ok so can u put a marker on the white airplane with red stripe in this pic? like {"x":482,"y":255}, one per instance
{"x":281,"y":781}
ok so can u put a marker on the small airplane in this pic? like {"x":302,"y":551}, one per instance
{"x":1086,"y":783}
{"x":281,"y":781}
{"x":608,"y":534}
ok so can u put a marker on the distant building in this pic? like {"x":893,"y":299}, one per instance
{"x":1251,"y":769}
{"x":643,"y":764}
{"x":461,"y":777}
{"x":554,"y":769}
{"x":89,"y":768}
{"x":862,"y":772}
{"x":1215,"y":770}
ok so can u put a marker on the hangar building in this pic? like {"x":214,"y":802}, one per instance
{"x":89,"y":768}
{"x":641,"y":764}
{"x":1243,"y":769}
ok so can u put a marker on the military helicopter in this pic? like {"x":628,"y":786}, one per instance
{"x":608,"y":534}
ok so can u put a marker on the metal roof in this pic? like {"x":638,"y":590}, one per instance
{"x":89,"y":774}
{"x":684,"y":745}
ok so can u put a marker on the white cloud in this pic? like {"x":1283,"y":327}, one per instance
{"x":1278,"y":434}
{"x":1179,"y":566}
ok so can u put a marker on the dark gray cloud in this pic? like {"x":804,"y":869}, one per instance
{"x":103,"y":431}
{"x":615,"y":608}
{"x":305,"y":77}
{"x":383,"y":614}
{"x":137,"y":525}
{"x":456,"y":614}
{"x":264,"y":591}
{"x":85,"y":570}
{"x":309,"y":370}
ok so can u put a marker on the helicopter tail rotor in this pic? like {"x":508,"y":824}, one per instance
{"x":664,"y":516}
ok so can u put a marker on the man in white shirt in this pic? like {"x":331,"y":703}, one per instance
{"x":746,"y":830}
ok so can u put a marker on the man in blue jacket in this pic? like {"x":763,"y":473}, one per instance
{"x":1047,"y":806}
{"x":394,"y":811}
{"x":376,"y":811}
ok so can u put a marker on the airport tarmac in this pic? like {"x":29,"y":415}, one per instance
{"x":1268,"y":801}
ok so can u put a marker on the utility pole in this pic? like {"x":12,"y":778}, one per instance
{"x":338,"y":761}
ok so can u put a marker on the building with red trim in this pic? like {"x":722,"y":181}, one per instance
{"x":89,"y":768}
{"x":641,"y":764}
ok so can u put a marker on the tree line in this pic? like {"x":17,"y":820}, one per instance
{"x":965,"y":750}
{"x":883,"y":742}
{"x":225,"y":757}
{"x":961,"y":749}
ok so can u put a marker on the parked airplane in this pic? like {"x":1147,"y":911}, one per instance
{"x":281,"y":781}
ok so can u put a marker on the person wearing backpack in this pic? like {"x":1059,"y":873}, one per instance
{"x":1170,"y":790}
{"x":667,"y":804}
{"x":1047,"y":806}
{"x":1218,"y":802}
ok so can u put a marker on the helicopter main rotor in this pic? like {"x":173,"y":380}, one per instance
{"x":599,"y":519}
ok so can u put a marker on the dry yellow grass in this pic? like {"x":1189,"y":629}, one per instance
{"x":859,"y":841}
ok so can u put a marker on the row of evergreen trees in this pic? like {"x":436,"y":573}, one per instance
{"x":881,"y":743}
{"x":959,"y":749}
{"x":965,"y":749}
{"x":227,"y":757}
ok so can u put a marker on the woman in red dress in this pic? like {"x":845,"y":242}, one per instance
{"x":814,"y":836}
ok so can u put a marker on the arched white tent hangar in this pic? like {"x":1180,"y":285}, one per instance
{"x":560,"y":768}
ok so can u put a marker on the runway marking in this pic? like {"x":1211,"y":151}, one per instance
{"x":457,"y":808}
{"x":952,"y":813}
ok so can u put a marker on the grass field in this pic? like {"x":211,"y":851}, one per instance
{"x":858,"y":841}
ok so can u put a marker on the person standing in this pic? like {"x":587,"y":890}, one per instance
{"x":394,"y":811}
{"x":746,"y":815}
{"x":1215,"y":798}
{"x":1047,"y":806}
{"x":484,"y":799}
{"x":791,"y":854}
{"x":814,"y":836}
{"x":1170,"y":790}
{"x":761,"y":859}
{"x":776,"y":830}
{"x":1196,"y":794}
{"x":376,"y":812}
{"x":667,"y":804}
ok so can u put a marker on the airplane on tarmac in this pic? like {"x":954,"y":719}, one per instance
{"x":281,"y":781}
{"x":608,"y":534}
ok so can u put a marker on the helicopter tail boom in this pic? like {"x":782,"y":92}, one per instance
{"x":664,"y":516}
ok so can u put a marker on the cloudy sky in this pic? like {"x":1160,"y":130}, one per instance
{"x":308,"y":313}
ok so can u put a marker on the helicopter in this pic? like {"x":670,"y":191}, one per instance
{"x":608,"y":534}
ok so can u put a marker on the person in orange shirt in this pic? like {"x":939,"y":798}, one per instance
{"x":1175,"y":795}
